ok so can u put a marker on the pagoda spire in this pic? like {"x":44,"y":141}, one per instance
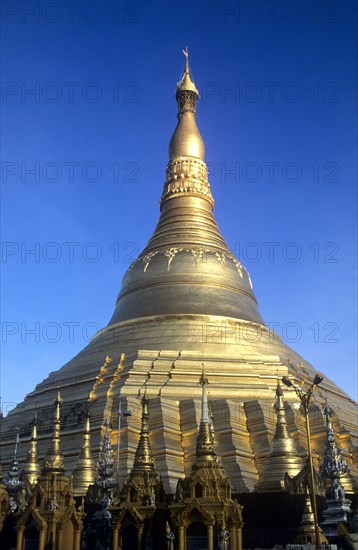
{"x":31,"y":469}
{"x":282,"y":443}
{"x":186,"y":94}
{"x":13,"y":482}
{"x":142,"y":486}
{"x":187,"y":173}
{"x":84,"y":473}
{"x":13,"y":473}
{"x":205,"y":447}
{"x":333,"y":466}
{"x":283,"y":456}
{"x":306,"y":532}
{"x":106,"y":461}
{"x":53,"y":462}
{"x":187,"y":259}
{"x":143,"y":460}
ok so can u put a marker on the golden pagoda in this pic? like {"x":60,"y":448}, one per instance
{"x":50,"y":518}
{"x":203,"y":507}
{"x":141,"y":500}
{"x":186,"y":300}
{"x":283,"y":457}
{"x":306,"y":533}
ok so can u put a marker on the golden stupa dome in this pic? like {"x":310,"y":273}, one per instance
{"x":187,"y":300}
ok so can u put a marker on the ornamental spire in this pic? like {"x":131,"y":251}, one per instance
{"x":53,"y":462}
{"x":142,"y":486}
{"x":282,"y":443}
{"x":186,"y":95}
{"x":84,"y":473}
{"x":187,"y":250}
{"x":283,"y":456}
{"x":105,"y":482}
{"x":143,"y":458}
{"x":31,"y":469}
{"x":333,"y":466}
{"x":13,"y":482}
{"x":106,"y":461}
{"x":205,"y":447}
{"x":306,"y":533}
{"x":187,"y":173}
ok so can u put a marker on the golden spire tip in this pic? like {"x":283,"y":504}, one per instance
{"x":186,"y":54}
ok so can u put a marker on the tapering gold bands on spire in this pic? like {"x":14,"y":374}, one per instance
{"x":53,"y":461}
{"x":143,"y":458}
{"x":31,"y":469}
{"x":186,"y":140}
{"x":283,"y":456}
{"x":282,"y":443}
{"x":185,"y":175}
{"x":306,"y":533}
{"x":84,"y":473}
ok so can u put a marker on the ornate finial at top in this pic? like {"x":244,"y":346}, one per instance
{"x":186,"y":54}
{"x":53,"y":462}
{"x":31,"y":469}
{"x":186,"y":84}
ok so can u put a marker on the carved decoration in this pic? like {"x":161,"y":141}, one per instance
{"x":198,"y":255}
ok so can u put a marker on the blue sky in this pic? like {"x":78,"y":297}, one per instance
{"x":88,"y":110}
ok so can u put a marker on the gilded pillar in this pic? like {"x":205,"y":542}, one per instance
{"x":20,"y":538}
{"x":210,"y":537}
{"x":140,"y":537}
{"x":115,"y":538}
{"x":233,"y":538}
{"x":59,"y":539}
{"x":42,"y":539}
{"x":77,"y":540}
{"x":238,"y":538}
{"x":181,"y":535}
